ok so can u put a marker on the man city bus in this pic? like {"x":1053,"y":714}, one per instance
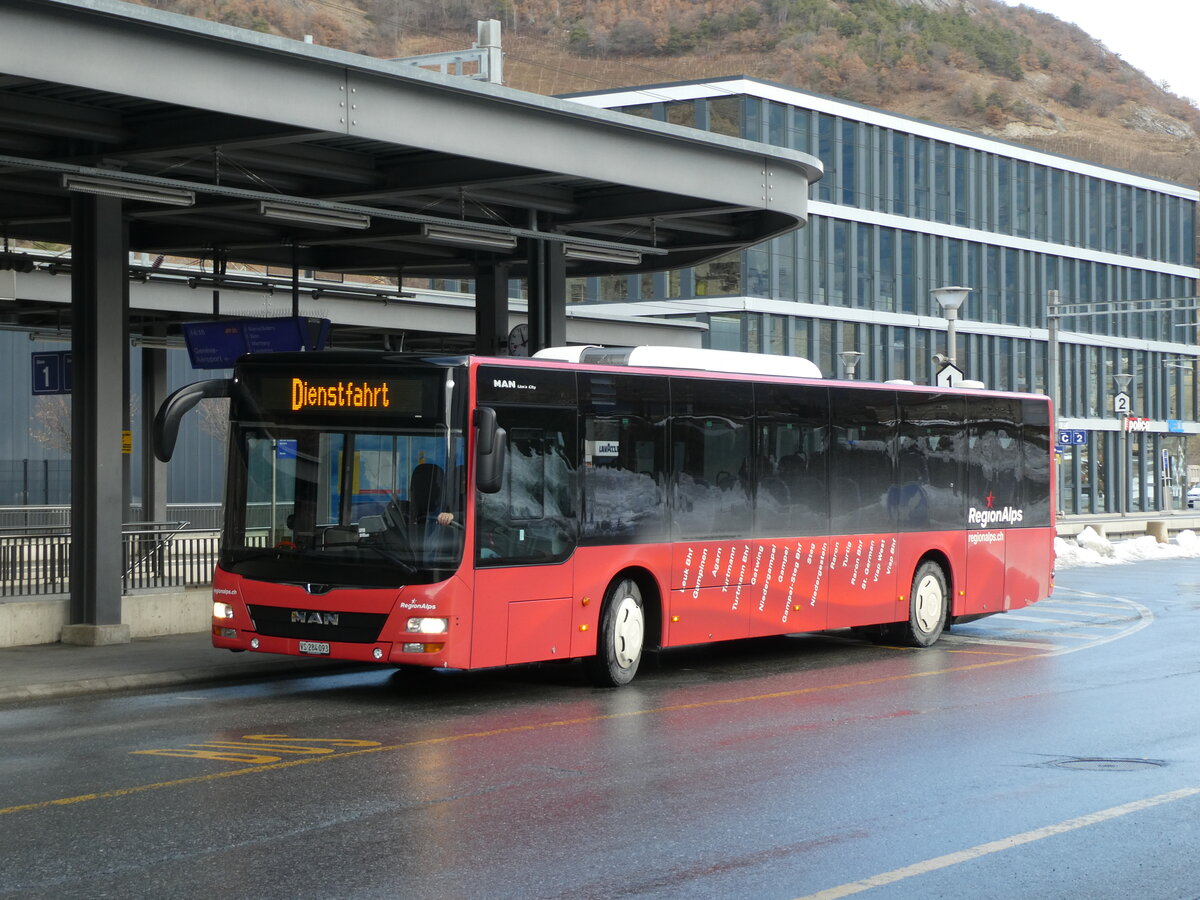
{"x":467,"y":512}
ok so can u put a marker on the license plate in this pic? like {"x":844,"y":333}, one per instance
{"x":314,"y":648}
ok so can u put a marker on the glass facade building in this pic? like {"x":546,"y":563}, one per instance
{"x":906,"y":206}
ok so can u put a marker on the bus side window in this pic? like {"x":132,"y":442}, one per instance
{"x":532,"y":517}
{"x":994,"y":456}
{"x":624,"y":458}
{"x":1035,"y":445}
{"x":711,"y":451}
{"x":793,"y":436}
{"x":862,"y":462}
{"x":933,"y":444}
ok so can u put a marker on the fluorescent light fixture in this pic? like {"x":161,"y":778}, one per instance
{"x":602,"y":254}
{"x":150,"y":342}
{"x":313,"y":215}
{"x":129,"y":190}
{"x":60,"y":336}
{"x":469,"y":237}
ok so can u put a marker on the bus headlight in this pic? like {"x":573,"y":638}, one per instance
{"x":428,"y":625}
{"x":222,"y":610}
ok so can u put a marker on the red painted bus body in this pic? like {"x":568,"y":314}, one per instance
{"x":618,"y":522}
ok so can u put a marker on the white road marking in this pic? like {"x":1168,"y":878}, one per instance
{"x":1109,"y":618}
{"x":1016,"y":840}
{"x":1074,"y":623}
{"x":995,"y":642}
{"x":1079,"y":608}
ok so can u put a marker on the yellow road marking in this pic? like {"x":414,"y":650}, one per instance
{"x":514,"y":729}
{"x":997,"y":652}
{"x":1016,"y":840}
{"x":258,"y":749}
{"x":1147,"y":617}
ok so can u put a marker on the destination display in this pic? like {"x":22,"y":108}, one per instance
{"x":341,"y":395}
{"x":344,"y":395}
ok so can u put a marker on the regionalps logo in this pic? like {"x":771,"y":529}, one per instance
{"x":989,"y":515}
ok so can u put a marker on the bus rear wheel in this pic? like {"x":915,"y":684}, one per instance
{"x":621,"y":638}
{"x":927,"y":608}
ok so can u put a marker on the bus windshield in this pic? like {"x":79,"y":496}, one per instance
{"x":342,"y":507}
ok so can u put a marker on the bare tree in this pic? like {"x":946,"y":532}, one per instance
{"x":214,"y":418}
{"x":51,"y":425}
{"x":52,"y":422}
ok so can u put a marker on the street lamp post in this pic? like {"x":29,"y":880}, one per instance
{"x":850,"y":360}
{"x":950,"y":299}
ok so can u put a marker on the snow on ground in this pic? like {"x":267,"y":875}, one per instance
{"x":1090,"y":549}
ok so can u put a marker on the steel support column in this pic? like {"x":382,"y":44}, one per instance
{"x":154,"y":472}
{"x":491,"y":309}
{"x":99,"y":346}
{"x":547,"y":296}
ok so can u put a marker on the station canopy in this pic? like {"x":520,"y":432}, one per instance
{"x":267,"y":151}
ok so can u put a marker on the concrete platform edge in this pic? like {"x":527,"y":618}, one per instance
{"x":25,"y":621}
{"x":275,"y":667}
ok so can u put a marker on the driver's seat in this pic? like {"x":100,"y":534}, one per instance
{"x":424,"y":492}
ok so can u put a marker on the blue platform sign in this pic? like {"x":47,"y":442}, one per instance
{"x":214,"y":345}
{"x":1071,"y":437}
{"x":51,"y":372}
{"x":217,"y":345}
{"x":274,"y":335}
{"x":1175,"y":426}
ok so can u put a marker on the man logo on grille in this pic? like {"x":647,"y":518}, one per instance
{"x":301,"y":617}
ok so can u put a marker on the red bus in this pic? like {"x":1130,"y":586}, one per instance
{"x":468,"y":512}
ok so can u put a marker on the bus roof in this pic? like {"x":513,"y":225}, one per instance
{"x":686,"y":358}
{"x":646,"y":357}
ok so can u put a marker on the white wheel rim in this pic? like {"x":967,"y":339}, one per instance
{"x":629,"y":629}
{"x":927,"y":604}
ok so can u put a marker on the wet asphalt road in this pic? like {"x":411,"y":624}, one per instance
{"x":1053,"y":752}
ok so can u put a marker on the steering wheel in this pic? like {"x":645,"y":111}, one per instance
{"x":423,"y":521}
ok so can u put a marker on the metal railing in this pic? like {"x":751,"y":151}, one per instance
{"x":199,"y":516}
{"x":36,"y":561}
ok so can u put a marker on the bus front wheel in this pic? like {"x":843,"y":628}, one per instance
{"x":927,"y":608}
{"x":621,"y":636}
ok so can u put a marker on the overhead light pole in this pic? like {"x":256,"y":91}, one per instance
{"x":850,"y":360}
{"x":951,"y":299}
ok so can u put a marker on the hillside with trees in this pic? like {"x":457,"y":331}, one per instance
{"x":1011,"y":72}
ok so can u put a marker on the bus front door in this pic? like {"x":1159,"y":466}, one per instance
{"x":522,"y":614}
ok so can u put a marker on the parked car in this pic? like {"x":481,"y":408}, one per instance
{"x":1193,"y":496}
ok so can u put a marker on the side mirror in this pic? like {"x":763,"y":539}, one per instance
{"x":173,"y":409}
{"x":491,"y":451}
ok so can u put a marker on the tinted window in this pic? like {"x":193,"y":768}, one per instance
{"x":862,"y":461}
{"x":994,"y":456}
{"x":931,"y":490}
{"x":710,"y":449}
{"x":1035,"y":432}
{"x":624,"y":458}
{"x":532,"y":517}
{"x":792,"y":425}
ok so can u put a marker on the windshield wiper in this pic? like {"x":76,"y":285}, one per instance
{"x":392,"y":557}
{"x":311,"y":552}
{"x":273,"y":552}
